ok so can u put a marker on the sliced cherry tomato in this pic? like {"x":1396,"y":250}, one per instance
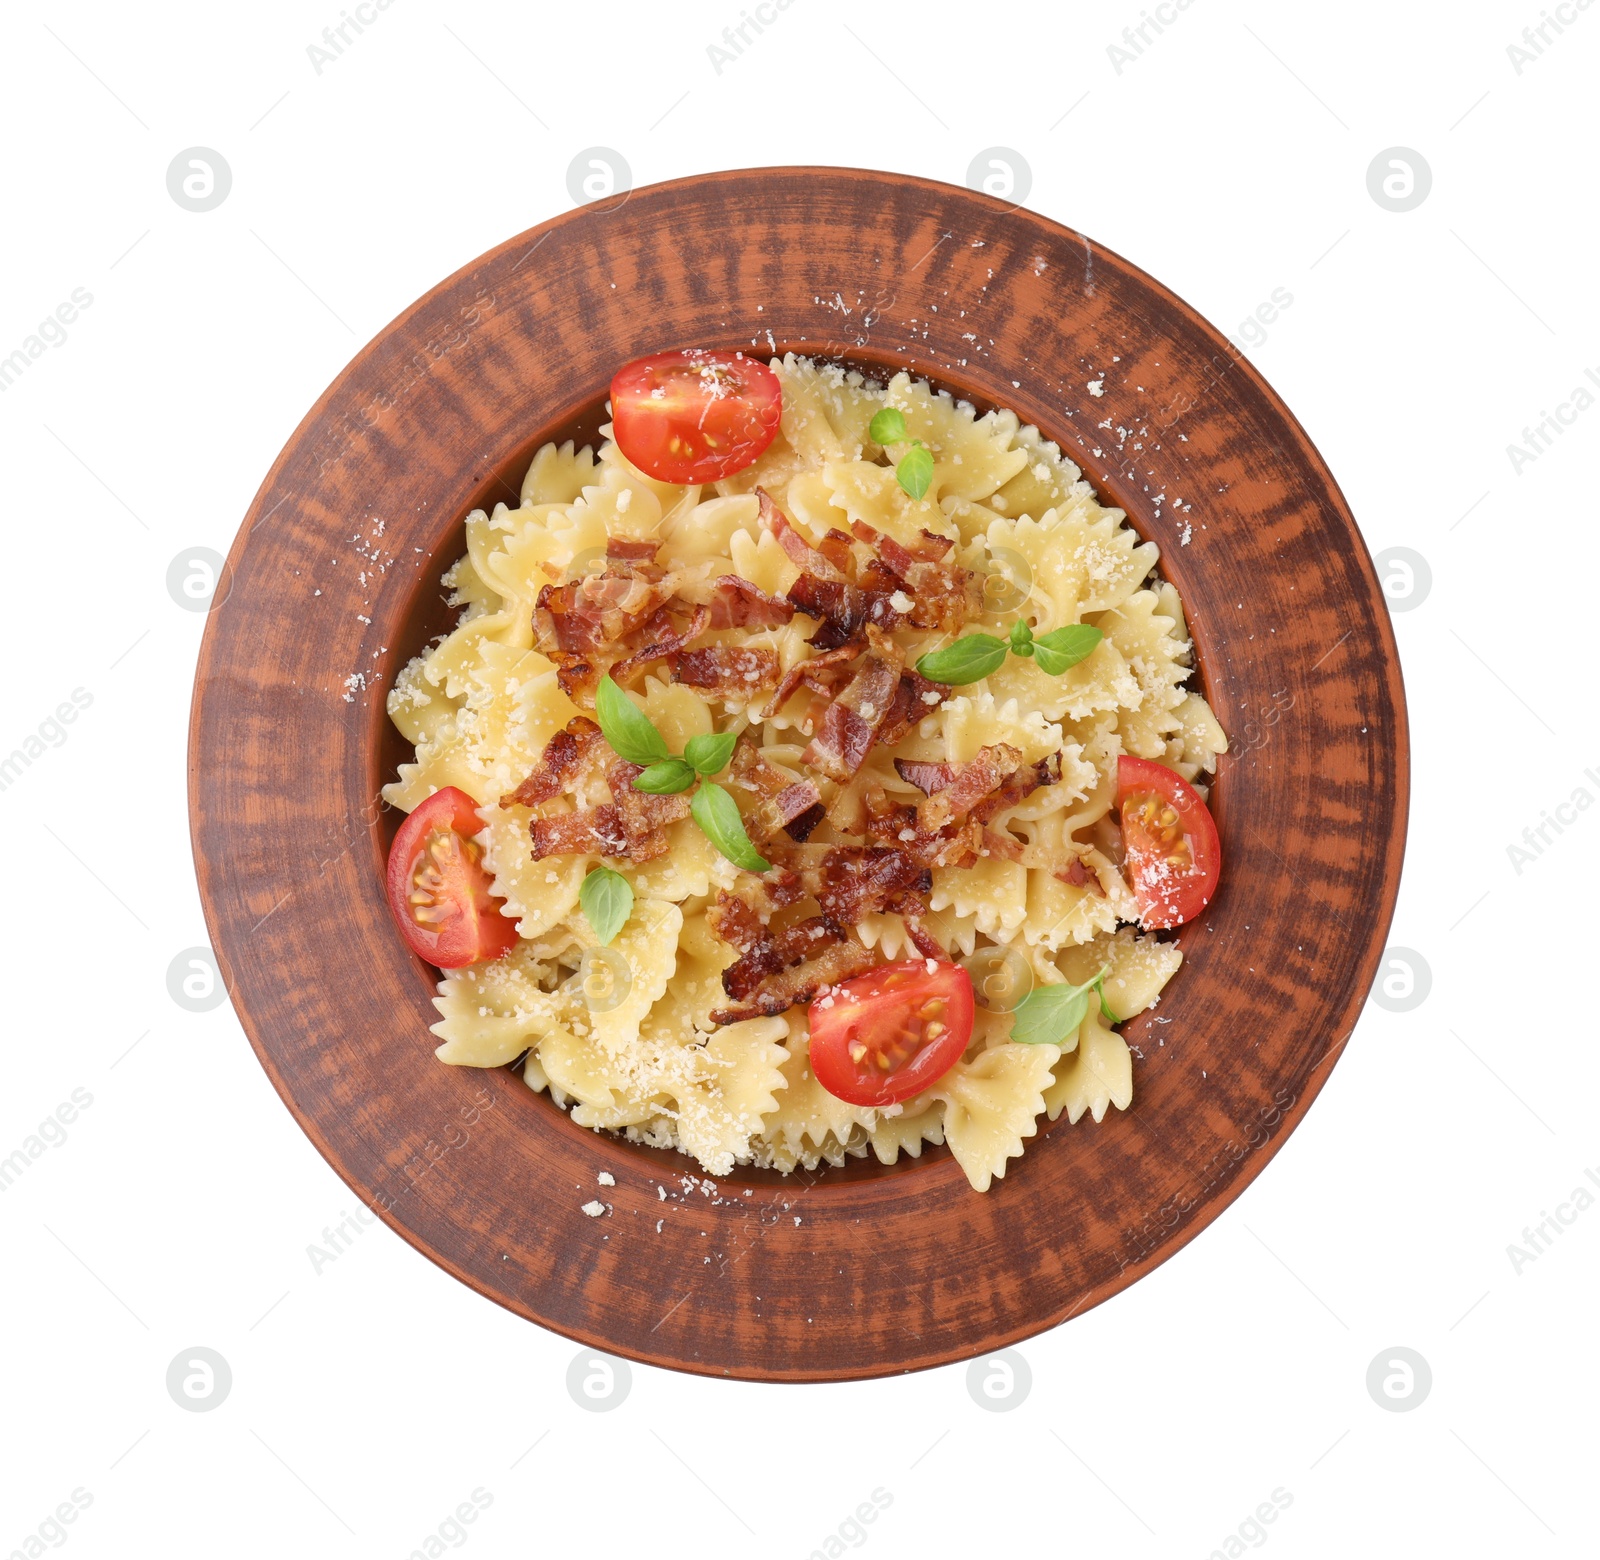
{"x":693,"y":415}
{"x":438,"y":889}
{"x":1174,"y":857}
{"x":892,"y":1032}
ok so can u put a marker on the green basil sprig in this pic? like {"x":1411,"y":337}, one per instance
{"x":607,"y":900}
{"x":1048,"y":1015}
{"x":914,"y":473}
{"x":718,"y":815}
{"x":626,"y":727}
{"x":976,"y":656}
{"x":634,"y":737}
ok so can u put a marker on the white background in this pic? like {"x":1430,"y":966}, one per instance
{"x":370,"y":1399}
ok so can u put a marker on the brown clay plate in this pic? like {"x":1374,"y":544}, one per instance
{"x":867,"y":1270}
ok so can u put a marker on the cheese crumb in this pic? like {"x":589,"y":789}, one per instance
{"x":901,"y":602}
{"x":605,"y":1178}
{"x":1097,"y":387}
{"x":594,"y":1209}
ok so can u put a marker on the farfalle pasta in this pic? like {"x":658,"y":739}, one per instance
{"x":780,"y":642}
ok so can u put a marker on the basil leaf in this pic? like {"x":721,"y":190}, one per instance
{"x":1049,"y":1014}
{"x":968,"y":659}
{"x":718,"y":814}
{"x":915,"y":470}
{"x":626,"y":727}
{"x":710,"y":753}
{"x":888,"y":426}
{"x":665,"y":778}
{"x":1021,"y":638}
{"x":607,"y":900}
{"x":1065,"y":647}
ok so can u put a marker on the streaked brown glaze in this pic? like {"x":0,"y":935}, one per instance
{"x":868,"y":1270}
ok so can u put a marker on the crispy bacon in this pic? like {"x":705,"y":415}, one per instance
{"x":791,"y":805}
{"x":968,"y":786}
{"x":739,"y":915}
{"x":726,"y":671}
{"x":778,"y":951}
{"x":850,"y":881}
{"x":1078,"y":873}
{"x":631,"y":549}
{"x":578,"y":678}
{"x":631,"y":824}
{"x":800,"y":552}
{"x":804,"y":671}
{"x":1018,"y":787}
{"x":913,"y":699}
{"x":942,"y":593}
{"x":928,"y":778}
{"x":825,"y":589}
{"x":948,"y":829}
{"x":846,"y":610}
{"x":835,"y":547}
{"x":847,"y":882}
{"x":563,"y":759}
{"x":670,"y":642}
{"x":996,"y":842}
{"x":787,"y":988}
{"x":736,"y":603}
{"x":643,"y":816}
{"x":840,"y":747}
{"x":593,"y":831}
{"x":599,"y":609}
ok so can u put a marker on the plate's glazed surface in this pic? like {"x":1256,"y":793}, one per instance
{"x":333,"y":586}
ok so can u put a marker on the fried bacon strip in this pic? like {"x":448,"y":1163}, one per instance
{"x":800,"y":552}
{"x":771,"y":954}
{"x":631,"y":824}
{"x":949,"y":828}
{"x":914,"y":698}
{"x":794,"y":806}
{"x":825,"y":589}
{"x":736,"y":603}
{"x":806,"y":672}
{"x":593,"y":831}
{"x":846,"y":610}
{"x":840,"y":746}
{"x":725,"y":670}
{"x":1018,"y":787}
{"x":847,"y":882}
{"x":585,"y":614}
{"x":790,"y":987}
{"x":670,"y":642}
{"x":942,"y":593}
{"x":926,"y":777}
{"x":563,"y":760}
{"x":968,"y":786}
{"x":630,"y":549}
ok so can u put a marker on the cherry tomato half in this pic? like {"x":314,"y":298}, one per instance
{"x":1174,"y":857}
{"x":438,"y":889}
{"x":693,"y":415}
{"x":890,"y":1033}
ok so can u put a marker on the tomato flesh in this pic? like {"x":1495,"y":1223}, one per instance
{"x":694,"y":415}
{"x":886,"y":1035}
{"x":1174,"y":856}
{"x":438,"y":888}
